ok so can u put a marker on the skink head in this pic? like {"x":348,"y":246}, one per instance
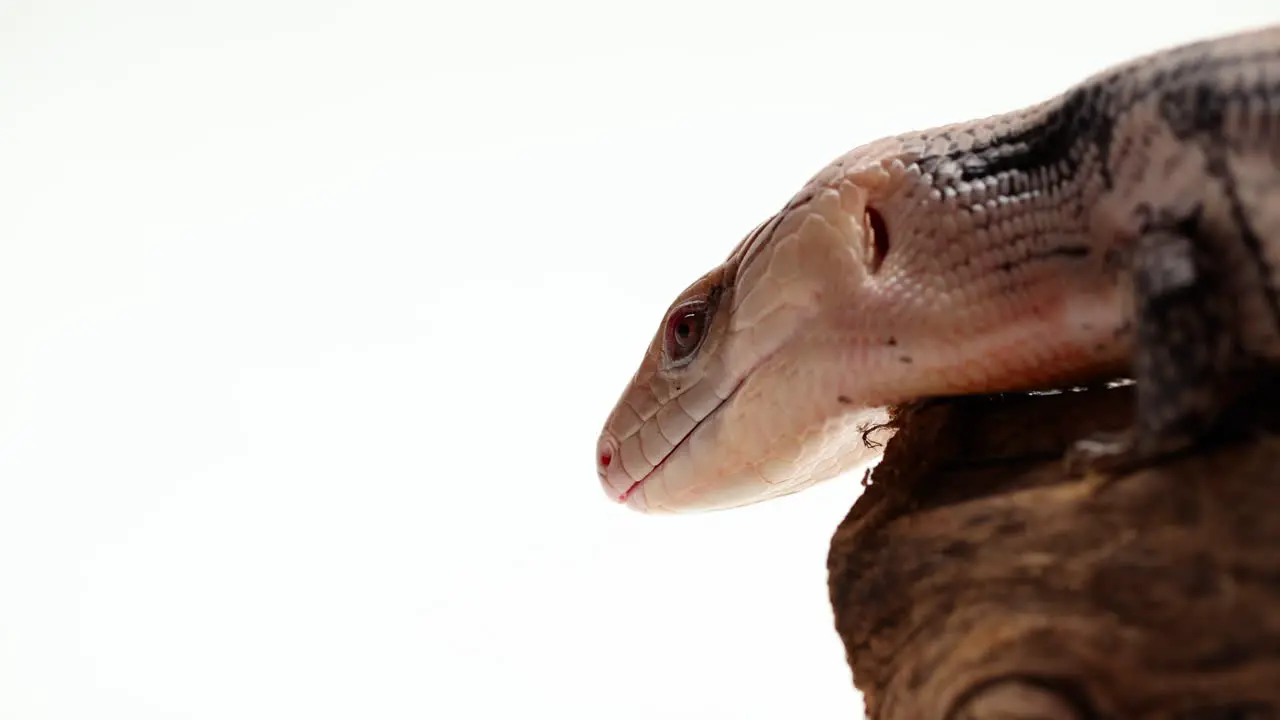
{"x":680,"y":382}
{"x":737,"y":399}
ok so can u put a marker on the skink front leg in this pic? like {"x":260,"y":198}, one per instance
{"x":1187,"y":349}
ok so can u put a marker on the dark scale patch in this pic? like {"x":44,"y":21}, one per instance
{"x":929,"y":164}
{"x":1087,"y":113}
{"x":844,"y":399}
{"x":1194,"y":110}
{"x":1198,"y":109}
{"x":1193,"y":96}
{"x":1062,"y":251}
{"x":1083,"y":117}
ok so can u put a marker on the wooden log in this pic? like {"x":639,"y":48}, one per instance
{"x":974,"y":579}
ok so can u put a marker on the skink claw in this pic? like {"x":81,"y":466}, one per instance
{"x":1117,"y":453}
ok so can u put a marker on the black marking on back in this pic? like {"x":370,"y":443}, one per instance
{"x":1085,"y":116}
{"x":1197,"y":109}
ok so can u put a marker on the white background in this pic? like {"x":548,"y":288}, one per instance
{"x":310,"y":313}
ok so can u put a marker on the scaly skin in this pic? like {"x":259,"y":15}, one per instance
{"x":989,"y":256}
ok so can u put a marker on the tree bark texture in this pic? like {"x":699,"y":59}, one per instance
{"x":975,"y":580}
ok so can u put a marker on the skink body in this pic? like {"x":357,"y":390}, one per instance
{"x":1056,"y":244}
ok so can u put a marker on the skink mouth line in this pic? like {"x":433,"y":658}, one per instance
{"x":622,"y":499}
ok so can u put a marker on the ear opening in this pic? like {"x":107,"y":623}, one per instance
{"x":879,"y":239}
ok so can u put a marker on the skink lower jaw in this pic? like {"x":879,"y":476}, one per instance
{"x":635,"y":501}
{"x":633,"y":497}
{"x":630,"y":496}
{"x":626,"y":494}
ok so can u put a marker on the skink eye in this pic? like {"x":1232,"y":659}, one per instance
{"x":686,"y":326}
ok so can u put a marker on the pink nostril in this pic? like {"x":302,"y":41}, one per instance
{"x":604,"y":455}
